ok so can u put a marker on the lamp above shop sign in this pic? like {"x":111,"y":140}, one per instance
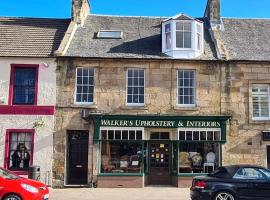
{"x":266,"y":135}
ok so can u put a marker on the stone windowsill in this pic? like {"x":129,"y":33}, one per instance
{"x":258,"y":121}
{"x":178,"y":108}
{"x":134,"y":108}
{"x":89,"y":106}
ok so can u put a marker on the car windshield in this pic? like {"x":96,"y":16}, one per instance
{"x":7,"y":175}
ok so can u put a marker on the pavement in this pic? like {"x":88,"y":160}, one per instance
{"x":147,"y":193}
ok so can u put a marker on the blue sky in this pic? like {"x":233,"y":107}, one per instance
{"x":61,"y":8}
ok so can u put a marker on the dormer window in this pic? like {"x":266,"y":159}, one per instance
{"x":182,"y":37}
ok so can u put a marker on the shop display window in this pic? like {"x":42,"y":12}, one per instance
{"x":121,"y":157}
{"x":202,"y":157}
{"x":121,"y":150}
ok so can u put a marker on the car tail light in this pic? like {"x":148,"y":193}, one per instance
{"x":200,"y":184}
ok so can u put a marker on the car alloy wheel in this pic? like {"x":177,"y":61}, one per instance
{"x":12,"y":197}
{"x":224,"y":196}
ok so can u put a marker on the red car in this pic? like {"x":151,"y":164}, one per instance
{"x":13,"y":187}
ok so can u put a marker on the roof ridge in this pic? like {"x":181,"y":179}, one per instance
{"x":33,"y":18}
{"x":245,"y":18}
{"x":128,"y":16}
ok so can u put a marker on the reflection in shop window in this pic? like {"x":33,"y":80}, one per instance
{"x":121,"y":150}
{"x":121,"y":157}
{"x":201,"y":157}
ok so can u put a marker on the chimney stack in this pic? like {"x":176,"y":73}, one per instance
{"x":79,"y":11}
{"x":212,"y":11}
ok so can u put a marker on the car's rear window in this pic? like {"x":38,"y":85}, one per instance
{"x":221,"y":172}
{"x":7,"y":175}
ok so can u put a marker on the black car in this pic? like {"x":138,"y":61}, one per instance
{"x":236,"y":182}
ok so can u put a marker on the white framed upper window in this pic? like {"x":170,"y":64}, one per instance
{"x":135,"y":88}
{"x":183,"y":34}
{"x":84,"y":89}
{"x":260,"y":101}
{"x":186,"y":88}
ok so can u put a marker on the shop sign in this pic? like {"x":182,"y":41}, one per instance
{"x":160,"y":123}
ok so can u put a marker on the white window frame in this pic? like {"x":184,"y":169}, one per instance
{"x":260,"y":118}
{"x":200,"y":129}
{"x":104,"y":128}
{"x":199,"y":31}
{"x":134,"y":104}
{"x":178,"y":87}
{"x":192,"y":35}
{"x":75,"y":91}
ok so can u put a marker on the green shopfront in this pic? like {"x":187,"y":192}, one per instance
{"x":141,"y":150}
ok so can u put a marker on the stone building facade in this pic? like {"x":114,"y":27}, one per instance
{"x":106,"y":137}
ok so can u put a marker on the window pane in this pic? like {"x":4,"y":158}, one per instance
{"x":24,"y":86}
{"x":168,"y":41}
{"x":124,"y":135}
{"x":260,"y":99}
{"x":20,"y":151}
{"x":186,"y":88}
{"x":104,"y":135}
{"x":179,"y":40}
{"x":121,"y":157}
{"x":135,"y":86}
{"x":111,"y":135}
{"x":138,"y":135}
{"x":85,"y":85}
{"x":118,"y":135}
{"x":132,"y":135}
{"x":180,"y":26}
{"x":198,"y":157}
{"x":187,"y":40}
{"x":182,"y":135}
{"x":167,"y":28}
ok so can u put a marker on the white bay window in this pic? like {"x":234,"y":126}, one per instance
{"x":182,"y":37}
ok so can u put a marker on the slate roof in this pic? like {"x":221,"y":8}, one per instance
{"x":246,"y":39}
{"x":34,"y":37}
{"x":142,"y":39}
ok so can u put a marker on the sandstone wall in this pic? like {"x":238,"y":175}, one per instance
{"x":110,"y":97}
{"x":244,"y":140}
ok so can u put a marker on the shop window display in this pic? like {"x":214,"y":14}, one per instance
{"x":121,"y":157}
{"x":201,"y":157}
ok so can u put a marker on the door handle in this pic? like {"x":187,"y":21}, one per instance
{"x":78,"y":166}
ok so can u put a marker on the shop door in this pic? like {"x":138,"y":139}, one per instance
{"x":77,"y":158}
{"x":159,"y":173}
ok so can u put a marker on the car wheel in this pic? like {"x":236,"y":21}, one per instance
{"x":224,"y":196}
{"x":12,"y":197}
